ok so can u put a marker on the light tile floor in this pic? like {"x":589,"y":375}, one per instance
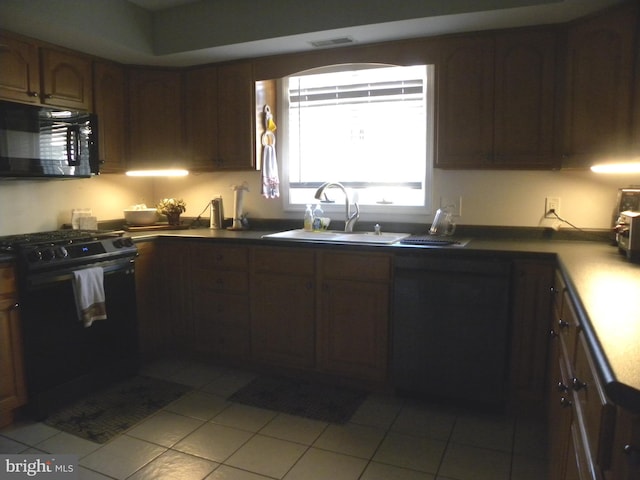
{"x":203,"y":436}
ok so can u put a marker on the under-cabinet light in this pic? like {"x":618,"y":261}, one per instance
{"x":158,"y":173}
{"x":628,"y":167}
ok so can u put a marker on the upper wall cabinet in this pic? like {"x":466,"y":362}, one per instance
{"x":109,"y":99}
{"x":220,"y":121}
{"x":496,"y":100}
{"x":64,"y":80}
{"x":156,"y":119}
{"x":600,"y":87}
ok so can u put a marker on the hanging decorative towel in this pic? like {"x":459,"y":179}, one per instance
{"x":270,"y":180}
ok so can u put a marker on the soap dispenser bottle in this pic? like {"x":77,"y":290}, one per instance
{"x":317,"y":218}
{"x":308,"y":219}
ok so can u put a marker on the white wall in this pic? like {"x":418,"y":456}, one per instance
{"x":488,"y":198}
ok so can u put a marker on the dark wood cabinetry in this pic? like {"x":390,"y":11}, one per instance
{"x":110,"y":105}
{"x":35,"y":74}
{"x":600,"y":87}
{"x":220,"y":124}
{"x":283,"y":307}
{"x":13,"y":392}
{"x":496,"y":100}
{"x":219,"y":289}
{"x":156,"y":136}
{"x":353,"y":325}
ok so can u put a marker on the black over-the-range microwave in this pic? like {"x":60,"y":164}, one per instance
{"x":41,"y":142}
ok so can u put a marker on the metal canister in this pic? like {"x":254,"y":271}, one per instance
{"x":217,"y":214}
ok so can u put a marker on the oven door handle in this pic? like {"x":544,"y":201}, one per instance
{"x":38,"y":280}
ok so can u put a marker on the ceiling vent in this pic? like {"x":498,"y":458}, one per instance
{"x":333,"y":42}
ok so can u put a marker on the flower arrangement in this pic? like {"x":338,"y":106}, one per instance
{"x":171,"y":206}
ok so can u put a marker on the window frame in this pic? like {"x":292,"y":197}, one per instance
{"x":338,"y":206}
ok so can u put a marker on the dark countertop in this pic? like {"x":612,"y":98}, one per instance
{"x":602,"y":283}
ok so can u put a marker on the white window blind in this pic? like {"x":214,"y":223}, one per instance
{"x":366,"y":128}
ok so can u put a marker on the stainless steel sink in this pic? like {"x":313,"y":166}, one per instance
{"x":334,"y":236}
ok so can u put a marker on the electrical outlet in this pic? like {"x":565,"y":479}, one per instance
{"x":452,"y":204}
{"x":551,"y":203}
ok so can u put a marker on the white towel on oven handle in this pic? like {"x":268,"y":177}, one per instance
{"x":88,"y":287}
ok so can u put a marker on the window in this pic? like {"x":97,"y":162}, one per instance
{"x":367,"y":127}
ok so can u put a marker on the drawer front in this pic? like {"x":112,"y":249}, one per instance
{"x":284,"y":260}
{"x":222,"y":308}
{"x":558,"y":291}
{"x":597,"y":412}
{"x":220,"y":281}
{"x":346,"y":266}
{"x":216,"y":257}
{"x":567,"y":327}
{"x":7,"y":279}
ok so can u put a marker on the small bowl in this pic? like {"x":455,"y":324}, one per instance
{"x":141,"y":217}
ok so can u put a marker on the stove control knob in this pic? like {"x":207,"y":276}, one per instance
{"x":61,"y":252}
{"x":48,"y":254}
{"x":34,"y":256}
{"x":123,"y":242}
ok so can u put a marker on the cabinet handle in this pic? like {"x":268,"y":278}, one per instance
{"x":33,"y":94}
{"x":553,"y":333}
{"x":48,"y":96}
{"x":562,"y":387}
{"x":563,"y":324}
{"x":577,"y":384}
{"x":565,"y":402}
{"x":15,"y":306}
{"x":630,"y":449}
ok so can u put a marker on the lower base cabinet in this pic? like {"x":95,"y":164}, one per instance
{"x":283,"y":306}
{"x":13,"y":392}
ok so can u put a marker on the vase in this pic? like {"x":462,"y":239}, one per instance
{"x":173,"y":218}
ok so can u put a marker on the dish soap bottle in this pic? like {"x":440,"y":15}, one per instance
{"x":308,"y":219}
{"x":317,"y":218}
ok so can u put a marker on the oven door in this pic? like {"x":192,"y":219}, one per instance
{"x":65,"y":359}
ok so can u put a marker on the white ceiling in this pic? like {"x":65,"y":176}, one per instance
{"x":190,"y":32}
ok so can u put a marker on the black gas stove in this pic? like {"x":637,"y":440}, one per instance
{"x":60,"y":249}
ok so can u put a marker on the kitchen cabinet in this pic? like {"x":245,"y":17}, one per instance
{"x":582,"y":420}
{"x":156,"y":115}
{"x":625,"y":461}
{"x":354,"y":305}
{"x":110,"y":105}
{"x":531,"y":307}
{"x":220,"y":123}
{"x":283,"y":307}
{"x":31,"y":73}
{"x":153,"y":324}
{"x":220,"y":294}
{"x":600,"y":86}
{"x":12,"y":381}
{"x":451,"y":327}
{"x":496,"y":99}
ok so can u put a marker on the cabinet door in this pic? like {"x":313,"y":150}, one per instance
{"x":66,"y":79}
{"x":12,"y":387}
{"x":599,"y":87}
{"x":19,"y":70}
{"x":236,"y":124}
{"x":465,"y":103}
{"x":155,"y":119}
{"x":109,"y":104}
{"x":353,"y":329}
{"x":525,"y":78}
{"x":283,"y":307}
{"x":531,"y":307}
{"x":201,"y":87}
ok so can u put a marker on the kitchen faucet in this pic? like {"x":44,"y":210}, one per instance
{"x":350,"y":219}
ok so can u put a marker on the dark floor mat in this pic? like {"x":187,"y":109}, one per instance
{"x":102,"y":415}
{"x":305,"y":399}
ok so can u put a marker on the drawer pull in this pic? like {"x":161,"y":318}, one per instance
{"x":562,"y":387}
{"x":553,"y":334}
{"x":630,"y":449}
{"x":563,"y":324}
{"x":565,"y":402}
{"x":577,"y":384}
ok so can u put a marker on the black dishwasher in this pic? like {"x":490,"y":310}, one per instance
{"x":451,"y":329}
